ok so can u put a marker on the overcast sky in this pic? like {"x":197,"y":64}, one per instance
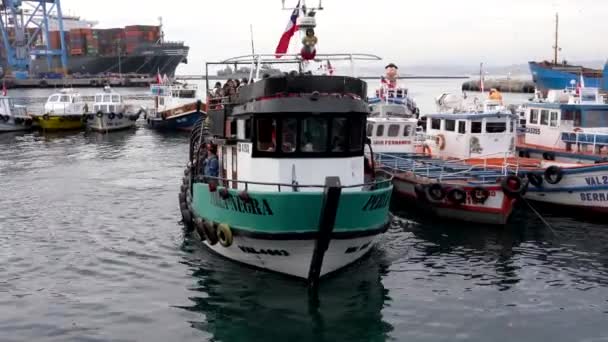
{"x":407,"y":32}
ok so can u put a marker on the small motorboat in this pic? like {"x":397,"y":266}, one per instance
{"x":176,"y":107}
{"x":13,"y":117}
{"x":111,"y":113}
{"x":65,"y":110}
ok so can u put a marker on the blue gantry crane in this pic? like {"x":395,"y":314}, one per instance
{"x":21,"y":23}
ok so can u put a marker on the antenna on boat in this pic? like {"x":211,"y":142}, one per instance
{"x":252,"y":45}
{"x":556,"y":47}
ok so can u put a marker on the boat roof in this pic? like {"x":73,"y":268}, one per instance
{"x":470,"y":116}
{"x":390,"y":119}
{"x":296,"y":58}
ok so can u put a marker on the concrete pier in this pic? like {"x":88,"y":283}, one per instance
{"x":502,"y":85}
{"x":80,"y":82}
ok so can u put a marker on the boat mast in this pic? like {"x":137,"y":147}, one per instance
{"x":161,"y":38}
{"x":556,"y":47}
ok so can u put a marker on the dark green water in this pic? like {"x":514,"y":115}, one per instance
{"x":91,"y":249}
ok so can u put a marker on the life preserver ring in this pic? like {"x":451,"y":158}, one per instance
{"x":426,"y":149}
{"x":119,"y":115}
{"x":524,"y":154}
{"x":435,"y":193}
{"x":46,"y":117}
{"x":111,"y":116}
{"x":513,"y":185}
{"x":457,"y":196}
{"x":479,"y":195}
{"x":535,"y":179}
{"x":440,"y":141}
{"x":548,"y":156}
{"x":210,"y":233}
{"x":553,"y":174}
{"x":99,"y":114}
{"x":224,"y":235}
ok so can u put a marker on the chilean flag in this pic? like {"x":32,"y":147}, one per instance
{"x":290,"y":30}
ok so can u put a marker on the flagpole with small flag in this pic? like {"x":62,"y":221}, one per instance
{"x":290,"y":30}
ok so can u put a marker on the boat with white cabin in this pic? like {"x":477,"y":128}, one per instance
{"x":177,"y":107}
{"x":13,"y":116}
{"x":64,"y":110}
{"x":112,"y":113}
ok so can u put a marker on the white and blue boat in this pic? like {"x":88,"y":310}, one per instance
{"x":548,"y":75}
{"x":567,"y":136}
{"x":176,"y":107}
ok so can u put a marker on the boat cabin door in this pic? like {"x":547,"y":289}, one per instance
{"x":235,"y":184}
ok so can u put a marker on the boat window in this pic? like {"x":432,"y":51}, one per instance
{"x":356,"y":134}
{"x":54,"y":98}
{"x":393,"y":130}
{"x":111,"y":108}
{"x":338,"y":135}
{"x":313,"y":137}
{"x":407,"y":131}
{"x":435,"y":123}
{"x":98,"y":98}
{"x":370,"y":129}
{"x":475,"y":126}
{"x":496,"y":127}
{"x":161,"y":101}
{"x":266,"y":135}
{"x":462,"y":127}
{"x":450,"y":125}
{"x":595,"y":118}
{"x":577,"y":118}
{"x":568,"y":115}
{"x":553,"y":119}
{"x":115,"y":98}
{"x":289,"y":135}
{"x":544,"y":117}
{"x":64,"y":98}
{"x":107,"y":98}
{"x":534,"y":116}
{"x":248,"y":128}
{"x":379,"y":130}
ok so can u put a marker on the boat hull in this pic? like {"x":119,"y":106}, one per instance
{"x":59,"y":122}
{"x":106,"y":123}
{"x":495,"y":210}
{"x":548,"y":77}
{"x":581,"y":187}
{"x":278,"y":231}
{"x":11,"y":126}
{"x":181,"y":122}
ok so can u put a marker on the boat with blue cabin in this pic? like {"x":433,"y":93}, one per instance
{"x":291,"y":195}
{"x":177,"y":107}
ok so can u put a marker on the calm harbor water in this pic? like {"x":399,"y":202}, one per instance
{"x":91,"y":249}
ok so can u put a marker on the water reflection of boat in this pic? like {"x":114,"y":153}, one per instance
{"x":261,"y":306}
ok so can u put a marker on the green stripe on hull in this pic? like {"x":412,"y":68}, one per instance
{"x":291,"y":212}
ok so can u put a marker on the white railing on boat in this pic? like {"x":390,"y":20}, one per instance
{"x":585,"y":139}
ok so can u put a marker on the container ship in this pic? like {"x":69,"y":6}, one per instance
{"x":134,"y":49}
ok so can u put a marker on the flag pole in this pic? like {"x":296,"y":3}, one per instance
{"x":252,"y":45}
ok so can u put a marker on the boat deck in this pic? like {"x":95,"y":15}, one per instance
{"x":472,"y":172}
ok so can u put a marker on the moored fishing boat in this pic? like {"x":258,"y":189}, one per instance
{"x":112,"y":113}
{"x":13,"y":117}
{"x":566,"y":142}
{"x":453,"y":174}
{"x":391,"y":99}
{"x":291,"y":194}
{"x":63,"y":111}
{"x":176,"y":107}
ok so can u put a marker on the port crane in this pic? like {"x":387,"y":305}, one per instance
{"x":22,"y":22}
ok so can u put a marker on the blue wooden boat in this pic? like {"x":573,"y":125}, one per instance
{"x":176,"y":108}
{"x":548,"y":75}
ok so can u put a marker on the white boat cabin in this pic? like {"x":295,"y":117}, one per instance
{"x":392,"y":134}
{"x":569,"y":120}
{"x":392,"y":102}
{"x":66,"y":102}
{"x":471,"y":135}
{"x":108,"y":102}
{"x":8,"y":107}
{"x":169,"y":97}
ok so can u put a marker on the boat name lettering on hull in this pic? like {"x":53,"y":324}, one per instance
{"x":269,"y":252}
{"x":598,"y":180}
{"x":594,"y":197}
{"x":243,"y":148}
{"x":533,"y":130}
{"x":235,"y":203}
{"x":375,"y":202}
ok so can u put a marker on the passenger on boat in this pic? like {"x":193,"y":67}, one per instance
{"x":211,"y":166}
{"x":495,"y":95}
{"x":217,"y":89}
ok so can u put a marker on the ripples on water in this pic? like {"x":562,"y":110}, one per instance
{"x":91,"y":250}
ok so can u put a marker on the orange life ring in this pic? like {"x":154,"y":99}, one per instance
{"x":426,"y":149}
{"x":440,"y":141}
